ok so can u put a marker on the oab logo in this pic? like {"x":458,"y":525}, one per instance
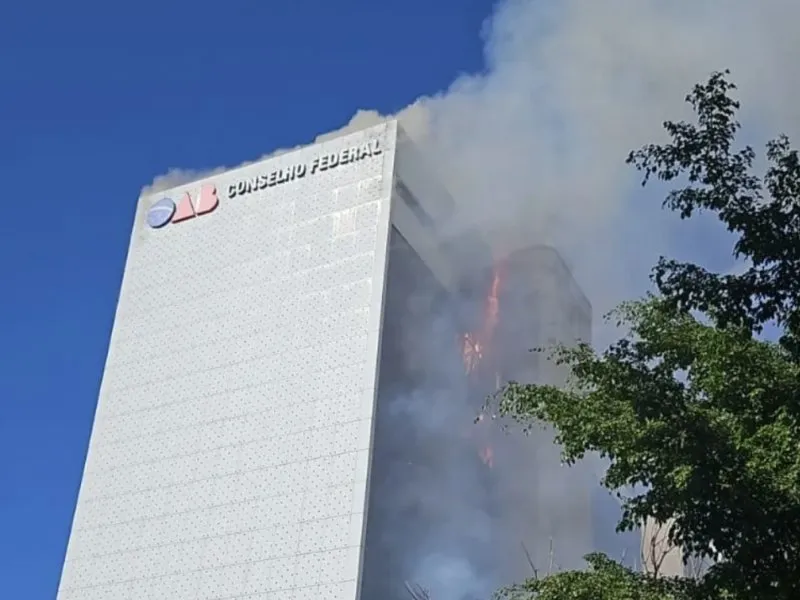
{"x":166,"y":211}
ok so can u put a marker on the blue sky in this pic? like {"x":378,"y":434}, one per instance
{"x":96,"y":99}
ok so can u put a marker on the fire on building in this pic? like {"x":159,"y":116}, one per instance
{"x":477,"y":347}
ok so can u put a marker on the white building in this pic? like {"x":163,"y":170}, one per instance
{"x":661,"y":558}
{"x":266,"y":316}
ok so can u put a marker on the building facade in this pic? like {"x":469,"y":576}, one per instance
{"x":664,"y":559}
{"x":659,"y":556}
{"x":230,"y":450}
{"x":287,"y":407}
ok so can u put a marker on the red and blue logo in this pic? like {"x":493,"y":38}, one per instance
{"x":166,"y":211}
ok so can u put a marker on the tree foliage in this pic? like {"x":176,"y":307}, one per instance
{"x":603,"y":580}
{"x":691,"y":405}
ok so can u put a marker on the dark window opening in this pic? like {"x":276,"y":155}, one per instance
{"x":414,"y":204}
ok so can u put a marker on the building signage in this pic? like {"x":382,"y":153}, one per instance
{"x":324,"y":162}
{"x":166,"y":211}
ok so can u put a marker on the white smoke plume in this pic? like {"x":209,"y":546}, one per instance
{"x":570,"y":86}
{"x":533,"y":147}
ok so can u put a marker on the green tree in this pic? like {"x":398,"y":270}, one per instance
{"x":691,"y":405}
{"x":603,"y":580}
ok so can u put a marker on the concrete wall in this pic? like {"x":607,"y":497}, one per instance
{"x":659,"y":557}
{"x":230,"y":448}
{"x":667,"y":560}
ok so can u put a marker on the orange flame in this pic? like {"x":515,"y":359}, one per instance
{"x":475,"y":343}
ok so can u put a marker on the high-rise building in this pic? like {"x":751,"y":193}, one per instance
{"x":662,"y":558}
{"x":659,"y":556}
{"x":291,"y":341}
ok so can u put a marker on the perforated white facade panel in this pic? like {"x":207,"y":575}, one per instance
{"x":229,"y":455}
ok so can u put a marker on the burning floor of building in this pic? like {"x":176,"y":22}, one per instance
{"x":429,"y":512}
{"x":448,"y":501}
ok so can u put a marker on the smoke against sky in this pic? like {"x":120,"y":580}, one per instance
{"x":533,"y":148}
{"x":569,"y":88}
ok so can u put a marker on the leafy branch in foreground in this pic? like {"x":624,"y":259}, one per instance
{"x":763,"y":214}
{"x":603,"y":580}
{"x":700,"y":417}
{"x":690,"y":406}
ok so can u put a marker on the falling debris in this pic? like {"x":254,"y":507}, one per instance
{"x":487,"y":456}
{"x":472,"y":353}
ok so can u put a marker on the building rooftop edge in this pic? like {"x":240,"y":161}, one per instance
{"x":216,"y":172}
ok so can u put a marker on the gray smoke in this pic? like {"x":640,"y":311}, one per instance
{"x":570,"y":86}
{"x":533,"y":149}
